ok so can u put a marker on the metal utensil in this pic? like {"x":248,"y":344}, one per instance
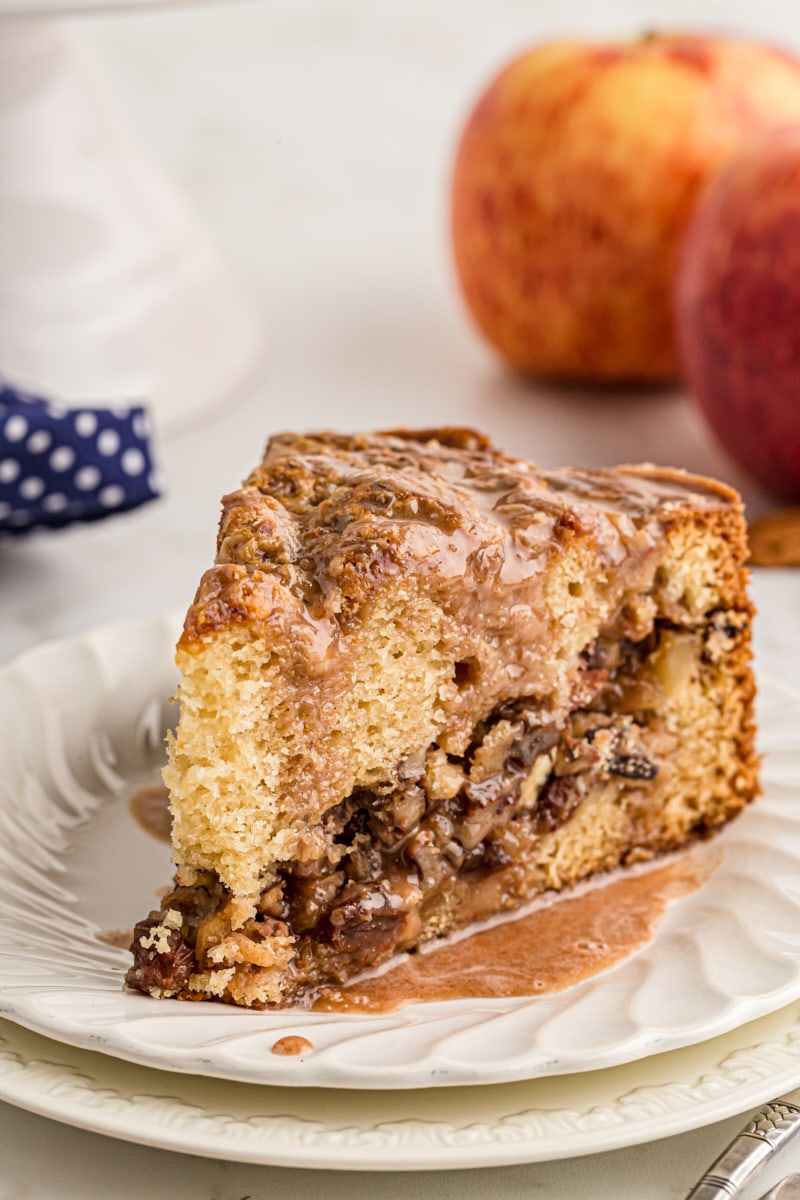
{"x":787,"y":1189}
{"x":766,"y":1131}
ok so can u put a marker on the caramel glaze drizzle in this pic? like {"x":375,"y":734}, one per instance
{"x":544,"y":951}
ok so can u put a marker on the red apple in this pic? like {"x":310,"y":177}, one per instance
{"x":575,"y":178}
{"x":738,"y":310}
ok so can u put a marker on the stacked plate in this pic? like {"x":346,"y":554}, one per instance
{"x":701,"y":1024}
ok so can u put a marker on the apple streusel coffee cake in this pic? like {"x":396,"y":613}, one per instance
{"x":424,"y":682}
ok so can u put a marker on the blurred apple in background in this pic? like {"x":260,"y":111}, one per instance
{"x":575,"y":179}
{"x":738,"y":309}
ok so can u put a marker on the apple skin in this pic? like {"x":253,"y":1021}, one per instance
{"x":575,"y":178}
{"x":737,"y":307}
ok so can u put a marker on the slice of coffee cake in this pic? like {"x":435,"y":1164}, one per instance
{"x":425,"y":681}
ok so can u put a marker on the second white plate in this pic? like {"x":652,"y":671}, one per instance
{"x":81,"y":725}
{"x":431,"y":1129}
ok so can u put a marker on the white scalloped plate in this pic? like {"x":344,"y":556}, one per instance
{"x":430,"y":1129}
{"x":81,"y":724}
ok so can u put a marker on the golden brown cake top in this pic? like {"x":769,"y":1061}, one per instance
{"x":333,"y":516}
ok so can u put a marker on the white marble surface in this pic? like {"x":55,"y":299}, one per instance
{"x":314,"y":137}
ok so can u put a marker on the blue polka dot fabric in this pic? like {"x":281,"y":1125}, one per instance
{"x":59,"y":465}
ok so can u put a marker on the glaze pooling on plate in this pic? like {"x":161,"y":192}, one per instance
{"x":81,"y":726}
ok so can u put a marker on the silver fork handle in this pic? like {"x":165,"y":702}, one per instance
{"x":767,"y":1130}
